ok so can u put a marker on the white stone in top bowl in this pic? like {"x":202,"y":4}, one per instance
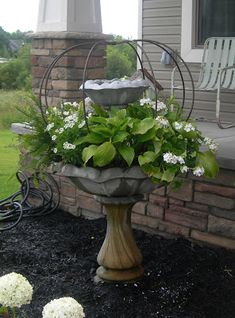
{"x":115,"y":91}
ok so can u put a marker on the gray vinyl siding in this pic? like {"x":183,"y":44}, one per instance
{"x":161,"y":21}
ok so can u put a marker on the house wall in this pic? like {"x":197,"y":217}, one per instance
{"x":161,"y":21}
{"x":201,"y":210}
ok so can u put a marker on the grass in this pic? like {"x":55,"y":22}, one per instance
{"x":9,"y":154}
{"x":10,"y":102}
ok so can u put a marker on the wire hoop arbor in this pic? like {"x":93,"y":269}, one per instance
{"x":137,"y":46}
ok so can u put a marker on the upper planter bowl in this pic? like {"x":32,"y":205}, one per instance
{"x":115,"y":92}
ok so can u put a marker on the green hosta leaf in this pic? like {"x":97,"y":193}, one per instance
{"x":88,"y":153}
{"x":104,"y":154}
{"x":208,"y":162}
{"x":102,"y":130}
{"x":143,"y":126}
{"x":147,"y":157}
{"x":168,"y":175}
{"x":157,"y":146}
{"x":152,"y":171}
{"x":99,"y":120}
{"x":92,"y":138}
{"x":120,"y":136}
{"x":99,"y":111}
{"x":149,"y":135}
{"x":127,"y":153}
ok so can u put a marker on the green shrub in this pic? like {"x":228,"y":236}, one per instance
{"x":16,"y":74}
{"x":121,"y":60}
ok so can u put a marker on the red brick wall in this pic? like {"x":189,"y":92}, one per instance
{"x":201,"y":210}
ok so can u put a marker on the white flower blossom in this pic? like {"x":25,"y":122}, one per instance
{"x":53,"y":138}
{"x":65,"y":113}
{"x":60,"y":130}
{"x":67,"y":145}
{"x":169,"y":157}
{"x":180,"y":160}
{"x":75,"y":104}
{"x":65,"y":307}
{"x":161,"y":106}
{"x":198,"y":171}
{"x":189,"y":127}
{"x":69,"y":125}
{"x":147,"y":101}
{"x":212,"y":145}
{"x":184,"y":169}
{"x":49,"y":127}
{"x":82,"y":124}
{"x":55,"y":150}
{"x":164,"y":123}
{"x":15,"y":290}
{"x":178,"y":125}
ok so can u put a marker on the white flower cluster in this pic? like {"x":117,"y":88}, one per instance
{"x":68,"y":146}
{"x":147,"y":101}
{"x":178,"y":125}
{"x":161,"y":106}
{"x":198,"y":171}
{"x":212,"y":145}
{"x":70,"y":120}
{"x":49,"y":127}
{"x":65,"y":307}
{"x":15,"y":290}
{"x":60,"y":130}
{"x":189,"y":127}
{"x":169,"y":157}
{"x":74,"y":104}
{"x":164,"y":123}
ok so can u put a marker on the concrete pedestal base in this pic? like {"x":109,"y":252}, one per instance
{"x":119,"y":256}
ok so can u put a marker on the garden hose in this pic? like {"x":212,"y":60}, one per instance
{"x":38,"y":196}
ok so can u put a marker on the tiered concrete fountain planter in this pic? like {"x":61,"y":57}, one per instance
{"x":118,"y":190}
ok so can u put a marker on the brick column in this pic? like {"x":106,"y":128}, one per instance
{"x":66,"y":76}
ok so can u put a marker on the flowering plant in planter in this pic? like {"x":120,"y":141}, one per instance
{"x":159,"y":140}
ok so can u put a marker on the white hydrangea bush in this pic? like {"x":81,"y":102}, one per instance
{"x":15,"y":290}
{"x":65,"y":307}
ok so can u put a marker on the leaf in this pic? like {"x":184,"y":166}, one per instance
{"x":147,"y":157}
{"x":88,"y":153}
{"x":148,"y":135}
{"x":127,"y":153}
{"x":104,"y":154}
{"x":208,"y":161}
{"x":92,"y":138}
{"x":143,"y":126}
{"x":100,"y":111}
{"x":157,"y":146}
{"x":102,"y":130}
{"x":168,"y":176}
{"x":120,"y":136}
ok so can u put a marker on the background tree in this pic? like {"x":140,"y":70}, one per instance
{"x":121,"y":60}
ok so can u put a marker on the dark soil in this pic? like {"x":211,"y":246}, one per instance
{"x":58,"y":256}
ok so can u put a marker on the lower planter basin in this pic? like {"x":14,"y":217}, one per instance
{"x":111,"y":182}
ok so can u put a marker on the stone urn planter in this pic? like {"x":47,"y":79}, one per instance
{"x":118,"y":190}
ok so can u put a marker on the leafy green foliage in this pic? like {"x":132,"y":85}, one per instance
{"x":159,"y":141}
{"x":15,"y":74}
{"x":121,"y":60}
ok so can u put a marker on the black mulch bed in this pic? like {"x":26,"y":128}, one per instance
{"x":58,"y":255}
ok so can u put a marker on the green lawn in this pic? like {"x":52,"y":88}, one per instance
{"x":9,"y":154}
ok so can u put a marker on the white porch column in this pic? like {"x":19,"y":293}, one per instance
{"x":81,"y":16}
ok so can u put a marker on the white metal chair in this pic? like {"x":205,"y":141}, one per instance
{"x":217,"y":70}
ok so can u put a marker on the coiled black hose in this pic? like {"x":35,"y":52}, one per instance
{"x":38,"y":196}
